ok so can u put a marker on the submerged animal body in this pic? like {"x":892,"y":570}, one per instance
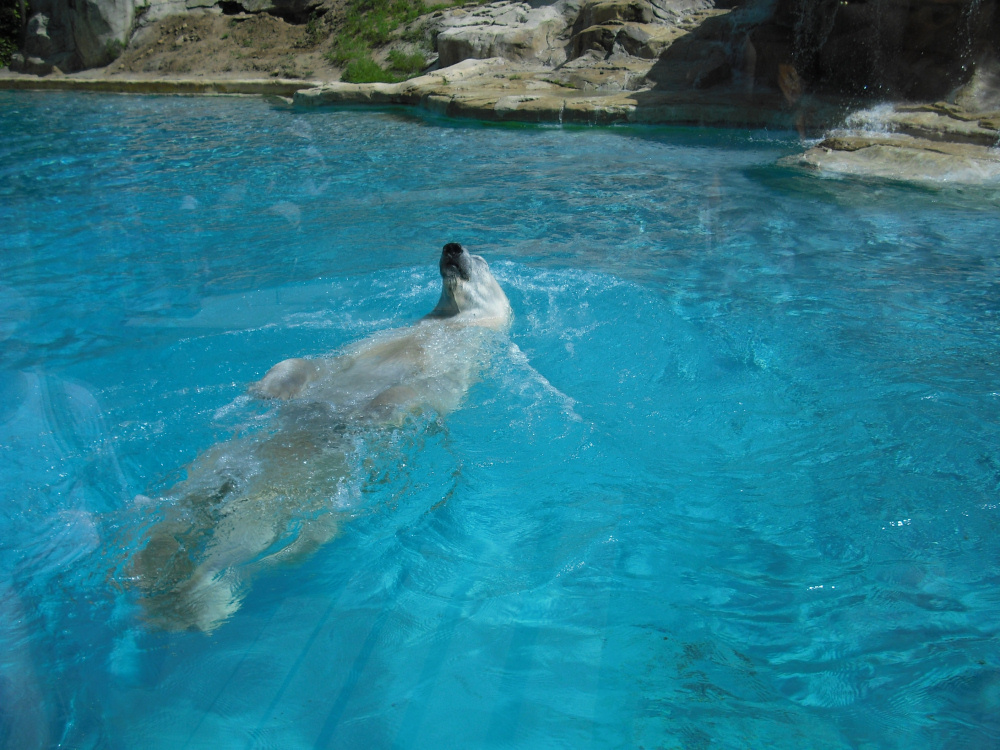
{"x":259,"y":500}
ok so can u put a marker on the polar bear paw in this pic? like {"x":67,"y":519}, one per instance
{"x":286,"y":379}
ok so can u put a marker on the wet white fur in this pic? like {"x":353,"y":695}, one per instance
{"x":223,"y":523}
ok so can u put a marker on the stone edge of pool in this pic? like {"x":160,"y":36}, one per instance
{"x":489,"y":90}
{"x":933,"y":143}
{"x":177,"y":86}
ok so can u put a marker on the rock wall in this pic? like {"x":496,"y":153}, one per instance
{"x":564,"y":30}
{"x":851,"y":50}
{"x":877,"y":49}
{"x":844,"y":50}
{"x":72,"y":35}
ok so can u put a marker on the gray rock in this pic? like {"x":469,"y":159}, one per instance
{"x":35,"y":66}
{"x":298,"y":11}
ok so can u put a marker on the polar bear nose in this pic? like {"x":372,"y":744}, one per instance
{"x":455,"y":261}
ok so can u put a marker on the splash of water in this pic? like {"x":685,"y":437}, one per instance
{"x":877,"y":120}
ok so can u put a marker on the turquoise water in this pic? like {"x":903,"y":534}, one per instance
{"x":732,"y":481}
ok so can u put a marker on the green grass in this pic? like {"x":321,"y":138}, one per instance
{"x":373,"y":23}
{"x":346,"y":48}
{"x":366,"y":70}
{"x":407,"y":65}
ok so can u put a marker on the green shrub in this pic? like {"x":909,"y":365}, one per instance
{"x":316,"y":30}
{"x":10,"y":29}
{"x":113,"y":50}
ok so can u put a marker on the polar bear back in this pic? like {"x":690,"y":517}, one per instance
{"x":430,"y":364}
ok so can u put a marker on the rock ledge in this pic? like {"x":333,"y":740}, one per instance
{"x":938,"y":143}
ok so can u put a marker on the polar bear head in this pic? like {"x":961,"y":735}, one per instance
{"x":470,"y":294}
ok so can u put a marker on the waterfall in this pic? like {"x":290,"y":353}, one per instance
{"x":813,"y":24}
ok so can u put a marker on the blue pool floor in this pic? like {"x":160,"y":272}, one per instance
{"x":729,"y":481}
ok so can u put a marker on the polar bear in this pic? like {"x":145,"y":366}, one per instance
{"x":232,"y":514}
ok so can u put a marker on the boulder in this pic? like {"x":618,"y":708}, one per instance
{"x":294,"y":11}
{"x":601,"y":12}
{"x":701,"y":55}
{"x":939,"y":143}
{"x":646,"y":40}
{"x":74,"y":36}
{"x":595,"y":72}
{"x":100,"y":30}
{"x":35,"y":66}
{"x":902,"y":158}
{"x":513,"y":31}
{"x":154,"y":10}
{"x":642,"y":28}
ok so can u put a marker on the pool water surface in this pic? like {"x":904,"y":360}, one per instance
{"x":730,"y":481}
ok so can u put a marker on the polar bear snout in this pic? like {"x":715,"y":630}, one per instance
{"x":456,"y":261}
